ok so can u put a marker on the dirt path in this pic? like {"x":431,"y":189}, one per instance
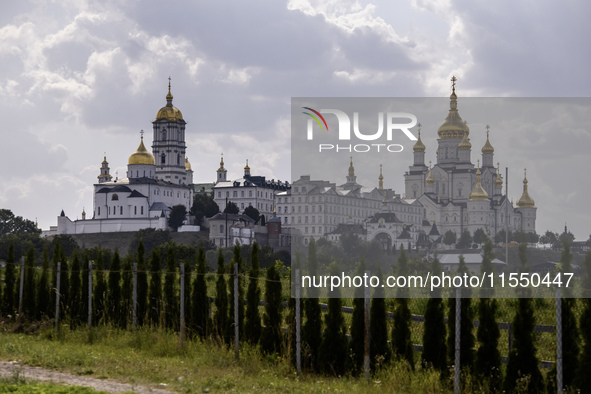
{"x":12,"y":368}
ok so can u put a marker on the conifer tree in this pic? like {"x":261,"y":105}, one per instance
{"x":467,"y":340}
{"x":583,"y":377}
{"x":312,"y":328}
{"x":126,"y":293}
{"x":252,"y":324}
{"x":155,"y":295}
{"x":272,"y":335}
{"x":114,"y":297}
{"x":523,"y":362}
{"x":236,"y":261}
{"x":357,"y":343}
{"x":332,"y":353}
{"x":75,"y":291}
{"x":43,"y":294}
{"x":84,"y":290}
{"x":380,"y":353}
{"x":401,"y":343}
{"x":54,"y":260}
{"x":488,"y":358}
{"x":291,"y":318}
{"x":64,"y":284}
{"x":142,"y":284}
{"x":221,"y":301}
{"x":8,"y":307}
{"x":29,"y":285}
{"x":100,"y":291}
{"x":171,"y":294}
{"x":434,"y":346}
{"x":200,"y":302}
{"x":187,"y":296}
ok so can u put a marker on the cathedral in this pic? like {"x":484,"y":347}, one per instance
{"x":155,"y":183}
{"x":456,"y":194}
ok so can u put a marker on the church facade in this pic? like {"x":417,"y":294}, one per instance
{"x":156,"y":181}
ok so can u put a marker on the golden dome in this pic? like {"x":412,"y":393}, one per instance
{"x":222,"y":164}
{"x":141,"y":156}
{"x":430,"y":180}
{"x":487,"y":148}
{"x":246,"y":168}
{"x":187,"y":164}
{"x":478,"y":193}
{"x":351,"y":168}
{"x":419,"y":146}
{"x":453,"y":126}
{"x":465,"y":143}
{"x":498,"y":180}
{"x":105,"y":160}
{"x":525,"y":201}
{"x":168,"y":112}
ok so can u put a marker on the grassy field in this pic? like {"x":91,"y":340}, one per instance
{"x":31,"y":387}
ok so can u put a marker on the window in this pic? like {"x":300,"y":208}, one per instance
{"x":235,"y":194}
{"x":221,"y":228}
{"x":141,"y":210}
{"x":250,"y":193}
{"x":163,"y":159}
{"x":227,"y":194}
{"x":121,"y":210}
{"x":135,"y":210}
{"x":219,"y":194}
{"x":242,"y":193}
{"x":163,"y":134}
{"x":242,"y":206}
{"x":114,"y":197}
{"x":279,"y":210}
{"x":99,"y":211}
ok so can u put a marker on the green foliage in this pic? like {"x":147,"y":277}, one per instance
{"x":272,"y":336}
{"x":332,"y":353}
{"x":75,"y":291}
{"x":200,"y":302}
{"x":100,"y":291}
{"x":434,"y":347}
{"x":252,"y":213}
{"x":523,"y":362}
{"x":466,"y":325}
{"x":312,"y":328}
{"x":465,"y":241}
{"x":380,"y":353}
{"x":549,"y":238}
{"x":449,"y":238}
{"x":8,"y":304}
{"x":357,"y":343}
{"x":583,"y":377}
{"x":114,"y":296}
{"x":43,"y":291}
{"x":188,"y":311}
{"x":252,"y":328}
{"x":155,"y":290}
{"x":84,"y":290}
{"x":142,"y":284}
{"x":479,"y":236}
{"x":11,"y":224}
{"x":126,"y":292}
{"x":203,"y":207}
{"x":64,"y":284}
{"x":488,"y":358}
{"x":231,"y":208}
{"x":171,"y":301}
{"x":29,"y":285}
{"x":221,"y":301}
{"x":401,"y":343}
{"x":177,"y":216}
{"x":236,"y":262}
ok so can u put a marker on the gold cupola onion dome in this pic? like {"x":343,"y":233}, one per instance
{"x":498,"y":179}
{"x":246,"y":167}
{"x":525,"y":201}
{"x":222,"y":164}
{"x":465,"y":143}
{"x":169,"y":112}
{"x":478,"y":193}
{"x":453,"y":126}
{"x":351,"y":168}
{"x":141,"y":156}
{"x":430,"y":180}
{"x":419,"y":146}
{"x":487,"y":149}
{"x":187,"y":164}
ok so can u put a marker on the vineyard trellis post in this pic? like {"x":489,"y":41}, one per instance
{"x":298,"y":325}
{"x":182,"y":317}
{"x":559,"y":382}
{"x":57,"y":297}
{"x":134,"y":308}
{"x":20,"y":297}
{"x":236,"y":314}
{"x":457,"y":341}
{"x":366,"y":331}
{"x":89,"y":295}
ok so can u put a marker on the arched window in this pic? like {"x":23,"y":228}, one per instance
{"x":163,"y":159}
{"x":163,"y":134}
{"x":114,"y":197}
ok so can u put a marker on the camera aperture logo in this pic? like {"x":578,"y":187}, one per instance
{"x":395,"y":122}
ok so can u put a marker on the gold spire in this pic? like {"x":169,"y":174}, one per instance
{"x":222,"y":164}
{"x":453,"y":126}
{"x":478,"y":193}
{"x":465,"y":143}
{"x":525,"y":201}
{"x":487,"y":149}
{"x":83,"y":212}
{"x":246,"y":167}
{"x":351,"y":168}
{"x":498,"y":180}
{"x":141,"y":155}
{"x":187,"y":164}
{"x":419,"y":146}
{"x":169,"y":112}
{"x":105,"y":159}
{"x":430,"y":180}
{"x":381,"y":179}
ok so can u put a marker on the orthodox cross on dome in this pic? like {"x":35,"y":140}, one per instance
{"x":487,"y":130}
{"x":525,"y":172}
{"x":478,"y":163}
{"x":453,"y":83}
{"x":419,"y":126}
{"x":169,"y":82}
{"x":142,"y":133}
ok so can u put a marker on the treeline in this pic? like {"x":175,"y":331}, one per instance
{"x":325,"y":348}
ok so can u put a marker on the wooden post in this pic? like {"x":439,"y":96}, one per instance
{"x":298,"y":325}
{"x":458,"y":338}
{"x":20,"y":296}
{"x":236,"y":314}
{"x":366,"y":332}
{"x":57,"y":297}
{"x":89,"y":295}
{"x":559,"y":382}
{"x":182,"y":317}
{"x":134,"y":309}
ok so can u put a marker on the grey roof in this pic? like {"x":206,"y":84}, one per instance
{"x":472,"y":258}
{"x":135,"y":193}
{"x":232,"y":217}
{"x":159,"y":206}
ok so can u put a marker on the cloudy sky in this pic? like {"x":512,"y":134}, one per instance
{"x":81,"y":78}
